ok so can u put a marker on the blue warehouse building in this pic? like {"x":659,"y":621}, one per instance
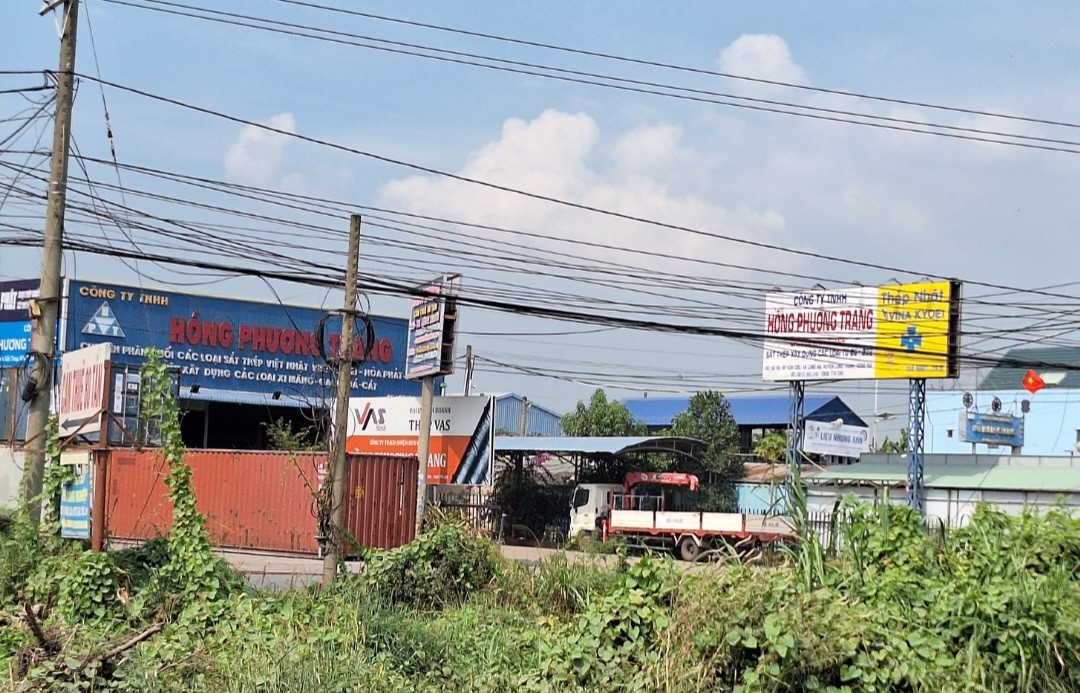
{"x":752,"y":413}
{"x":240,"y":365}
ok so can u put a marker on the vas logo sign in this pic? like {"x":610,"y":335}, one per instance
{"x":369,"y":415}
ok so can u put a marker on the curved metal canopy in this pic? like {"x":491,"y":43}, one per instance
{"x":616,"y":445}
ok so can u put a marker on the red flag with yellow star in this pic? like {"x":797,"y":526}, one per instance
{"x":1032,"y":382}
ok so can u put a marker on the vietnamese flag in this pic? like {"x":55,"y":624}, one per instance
{"x":1032,"y":382}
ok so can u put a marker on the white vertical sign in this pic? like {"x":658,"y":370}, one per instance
{"x":82,"y":389}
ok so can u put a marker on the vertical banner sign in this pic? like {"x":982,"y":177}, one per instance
{"x":429,"y":348}
{"x":82,"y":390}
{"x":75,"y":497}
{"x":462,"y":434}
{"x":16,"y":327}
{"x":907,"y":331}
{"x":15,"y":297}
{"x":14,"y":342}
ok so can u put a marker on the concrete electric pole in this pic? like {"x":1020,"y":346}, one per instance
{"x":338,"y":470}
{"x":46,"y":308}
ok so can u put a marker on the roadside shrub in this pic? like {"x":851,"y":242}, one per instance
{"x":613,"y":645}
{"x":553,"y":587}
{"x":20,"y":555}
{"x":442,"y":567}
{"x":137,"y":564}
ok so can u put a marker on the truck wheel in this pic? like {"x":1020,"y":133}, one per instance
{"x":689,"y":549}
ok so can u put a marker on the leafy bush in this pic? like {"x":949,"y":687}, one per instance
{"x":614,"y":644}
{"x":137,"y":564}
{"x":555,"y":586}
{"x":443,"y":567}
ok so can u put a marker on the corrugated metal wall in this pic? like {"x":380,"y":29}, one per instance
{"x":262,"y":499}
{"x":761,"y":499}
{"x":380,"y":508}
{"x":538,"y":421}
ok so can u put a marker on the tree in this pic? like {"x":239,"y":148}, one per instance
{"x":897,"y":446}
{"x":709,"y":418}
{"x":771,"y":447}
{"x":601,"y":418}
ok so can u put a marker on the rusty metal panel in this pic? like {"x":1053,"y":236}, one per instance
{"x":135,"y":503}
{"x":262,"y":500}
{"x":380,"y":500}
{"x":251,"y":499}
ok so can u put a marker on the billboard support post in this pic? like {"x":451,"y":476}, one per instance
{"x":98,"y":484}
{"x":795,"y":416}
{"x":916,"y":421}
{"x":423,"y":447}
{"x":336,"y":476}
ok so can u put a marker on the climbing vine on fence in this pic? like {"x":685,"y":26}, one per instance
{"x":193,"y":572}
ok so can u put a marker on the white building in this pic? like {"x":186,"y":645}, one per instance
{"x":954,"y":484}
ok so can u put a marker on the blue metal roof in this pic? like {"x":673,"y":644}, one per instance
{"x":206,"y":394}
{"x":596,"y":445}
{"x":539,"y":421}
{"x":753,"y":410}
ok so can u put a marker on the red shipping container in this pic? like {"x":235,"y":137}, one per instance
{"x":262,"y":500}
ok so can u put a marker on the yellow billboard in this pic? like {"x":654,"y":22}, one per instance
{"x":913,"y":331}
{"x":901,"y":331}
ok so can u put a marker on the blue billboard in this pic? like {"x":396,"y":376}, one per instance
{"x":15,"y":325}
{"x":221,"y":346}
{"x":15,"y":297}
{"x":14,"y":343}
{"x":991,"y":429}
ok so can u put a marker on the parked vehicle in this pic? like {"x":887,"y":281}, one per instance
{"x":656,"y":509}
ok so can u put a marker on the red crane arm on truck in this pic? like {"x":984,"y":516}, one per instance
{"x":666,"y":478}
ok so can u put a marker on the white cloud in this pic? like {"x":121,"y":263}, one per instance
{"x":764,"y":56}
{"x":646,"y":148}
{"x":257,"y":155}
{"x":555,"y":155}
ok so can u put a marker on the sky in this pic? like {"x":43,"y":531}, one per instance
{"x":678,"y":195}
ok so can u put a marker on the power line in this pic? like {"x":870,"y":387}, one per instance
{"x":611,"y":82}
{"x":531,"y":195}
{"x":680,"y":68}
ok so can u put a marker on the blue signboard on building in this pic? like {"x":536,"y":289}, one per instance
{"x":224,"y":348}
{"x":14,"y":343}
{"x":991,"y":429}
{"x":15,"y":299}
{"x":15,"y":325}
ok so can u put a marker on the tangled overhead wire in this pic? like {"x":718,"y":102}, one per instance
{"x":35,"y":374}
{"x":362,"y":327}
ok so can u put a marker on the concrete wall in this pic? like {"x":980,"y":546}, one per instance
{"x":11,"y":469}
{"x":952,"y":507}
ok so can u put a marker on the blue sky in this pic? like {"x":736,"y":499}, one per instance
{"x":985,"y":213}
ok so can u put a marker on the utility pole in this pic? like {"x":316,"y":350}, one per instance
{"x":336,"y":476}
{"x":423,"y":447}
{"x":468,"y":370}
{"x":523,"y":425}
{"x":45,"y":309}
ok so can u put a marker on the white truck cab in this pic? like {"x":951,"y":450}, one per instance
{"x":587,"y":505}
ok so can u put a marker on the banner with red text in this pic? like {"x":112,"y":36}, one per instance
{"x":462,"y":445}
{"x":906,"y":331}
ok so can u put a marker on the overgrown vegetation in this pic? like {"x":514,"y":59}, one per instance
{"x":991,"y":607}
